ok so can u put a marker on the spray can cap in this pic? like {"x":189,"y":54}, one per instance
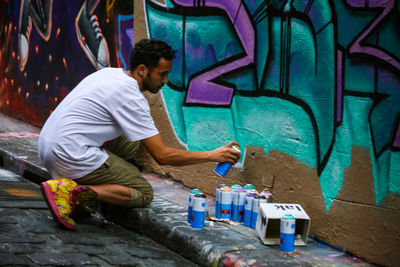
{"x":248,"y":186}
{"x":235,"y":147}
{"x":288,"y":216}
{"x":195,"y":191}
{"x":236,"y":186}
{"x":226,"y":188}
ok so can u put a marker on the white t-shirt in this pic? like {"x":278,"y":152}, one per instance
{"x":102,"y":107}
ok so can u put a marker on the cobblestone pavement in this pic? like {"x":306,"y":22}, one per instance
{"x":29,"y":236}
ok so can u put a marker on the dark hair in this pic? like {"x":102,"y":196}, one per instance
{"x":148,"y":52}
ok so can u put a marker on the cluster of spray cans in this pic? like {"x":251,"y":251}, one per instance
{"x":197,"y":208}
{"x":239,"y":204}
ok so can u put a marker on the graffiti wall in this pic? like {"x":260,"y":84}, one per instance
{"x":48,"y":46}
{"x":311,"y":91}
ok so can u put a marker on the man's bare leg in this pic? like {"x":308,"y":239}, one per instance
{"x":112,"y":193}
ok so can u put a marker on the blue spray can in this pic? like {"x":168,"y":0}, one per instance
{"x":217,"y":201}
{"x":255,"y":207}
{"x":199,"y":211}
{"x":248,"y":203}
{"x":190,"y":205}
{"x":226,"y":202}
{"x":238,"y":204}
{"x":223,"y":167}
{"x":288,"y":228}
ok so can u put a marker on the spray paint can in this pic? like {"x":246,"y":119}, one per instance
{"x":226,"y":202}
{"x":255,"y":208}
{"x":223,"y":167}
{"x":248,"y":186}
{"x":239,"y":196}
{"x":217,"y":201}
{"x":267,"y":194}
{"x":190,"y":205}
{"x":248,"y":203}
{"x":199,"y":211}
{"x":288,"y":227}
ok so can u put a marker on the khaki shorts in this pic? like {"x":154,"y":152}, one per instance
{"x":117,"y":170}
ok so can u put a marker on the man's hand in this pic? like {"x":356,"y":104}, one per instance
{"x":225,"y":153}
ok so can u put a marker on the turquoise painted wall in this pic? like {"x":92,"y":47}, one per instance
{"x":308,"y":78}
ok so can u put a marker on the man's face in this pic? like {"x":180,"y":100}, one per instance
{"x":158,"y":76}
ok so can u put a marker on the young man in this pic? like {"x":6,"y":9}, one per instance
{"x":91,"y":136}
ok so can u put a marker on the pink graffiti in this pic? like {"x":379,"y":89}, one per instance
{"x":202,"y":89}
{"x":18,"y":135}
{"x":357,"y":47}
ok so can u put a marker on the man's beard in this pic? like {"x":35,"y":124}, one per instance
{"x":147,"y":86}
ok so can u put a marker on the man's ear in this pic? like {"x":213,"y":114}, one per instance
{"x":142,"y":71}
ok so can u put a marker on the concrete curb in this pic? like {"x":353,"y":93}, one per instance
{"x":215,"y":245}
{"x":22,"y":166}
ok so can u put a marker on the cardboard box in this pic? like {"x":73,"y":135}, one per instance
{"x":269,"y":222}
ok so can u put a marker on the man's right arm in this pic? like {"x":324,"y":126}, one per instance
{"x":171,"y":156}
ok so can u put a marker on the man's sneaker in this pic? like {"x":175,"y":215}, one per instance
{"x":78,"y":197}
{"x":24,"y":33}
{"x":57,"y":193}
{"x":91,"y":38}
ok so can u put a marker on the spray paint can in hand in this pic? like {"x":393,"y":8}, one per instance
{"x":238,"y":204}
{"x":190,"y":205}
{"x":226,"y":203}
{"x":288,"y":227}
{"x":198,"y":211}
{"x":217,"y":201}
{"x":257,"y":200}
{"x":248,"y":203}
{"x":223,"y":167}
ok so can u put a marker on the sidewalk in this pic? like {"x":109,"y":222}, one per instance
{"x":164,"y":220}
{"x":29,"y":236}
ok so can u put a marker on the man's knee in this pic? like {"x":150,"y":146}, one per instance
{"x":148,"y":196}
{"x":141,"y":198}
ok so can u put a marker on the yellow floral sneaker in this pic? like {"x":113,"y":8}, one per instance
{"x":57,"y":193}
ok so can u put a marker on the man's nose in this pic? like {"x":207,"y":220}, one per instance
{"x":165,"y":79}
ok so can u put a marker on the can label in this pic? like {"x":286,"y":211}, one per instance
{"x":226,"y":203}
{"x":223,"y":168}
{"x":199,"y":211}
{"x":287,"y":232}
{"x":248,"y":203}
{"x":190,"y":204}
{"x":255,"y":209}
{"x":217,"y":201}
{"x":238,"y":205}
